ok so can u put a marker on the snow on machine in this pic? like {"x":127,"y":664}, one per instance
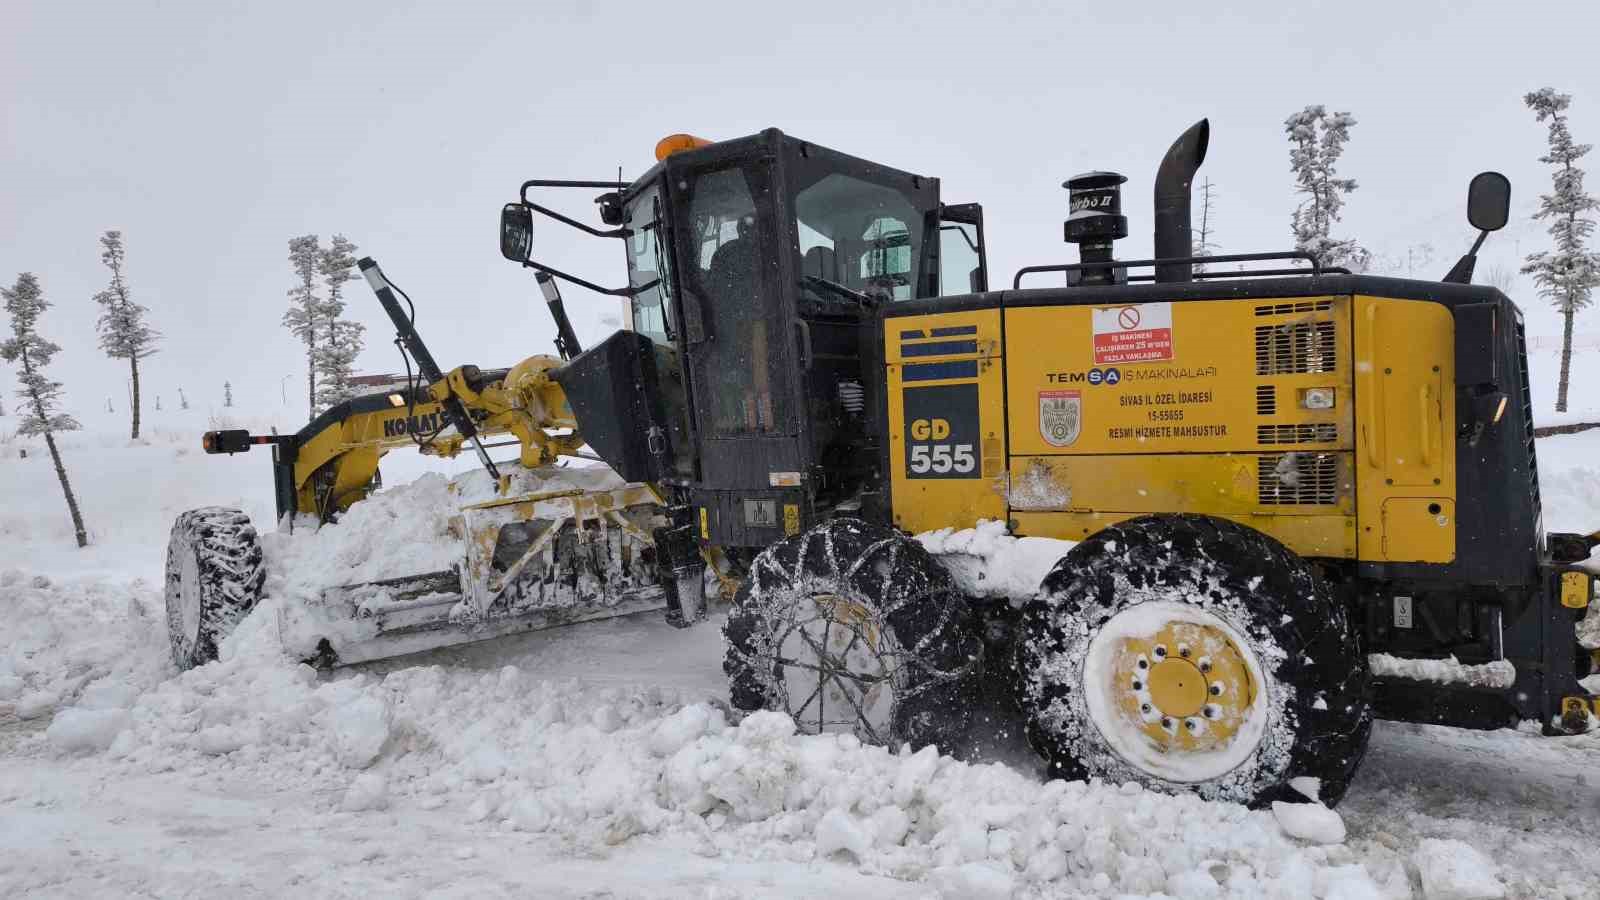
{"x":1301,"y":497}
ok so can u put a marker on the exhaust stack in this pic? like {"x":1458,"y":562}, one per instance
{"x":1173,"y":238}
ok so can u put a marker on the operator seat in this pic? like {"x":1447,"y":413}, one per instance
{"x":732,"y":276}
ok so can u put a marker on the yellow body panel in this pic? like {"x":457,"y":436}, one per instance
{"x":948,"y":456}
{"x":1405,"y":421}
{"x":1326,"y":422}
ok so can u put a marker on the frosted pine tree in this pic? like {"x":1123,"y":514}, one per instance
{"x":342,"y":339}
{"x":1316,"y":141}
{"x":227,"y":394}
{"x":41,"y":397}
{"x":1201,"y":238}
{"x":123,"y":333}
{"x":304,"y":314}
{"x":1568,"y":274}
{"x":336,"y":359}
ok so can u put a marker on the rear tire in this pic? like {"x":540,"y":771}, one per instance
{"x":1194,"y":654}
{"x":214,"y":578}
{"x":856,"y":628}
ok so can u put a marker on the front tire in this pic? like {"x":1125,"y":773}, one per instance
{"x":1188,"y":653}
{"x":214,"y":578}
{"x":854,"y":628}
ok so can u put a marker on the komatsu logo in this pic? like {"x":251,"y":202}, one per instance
{"x":413,"y":425}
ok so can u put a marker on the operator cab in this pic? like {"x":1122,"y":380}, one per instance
{"x":756,"y":269}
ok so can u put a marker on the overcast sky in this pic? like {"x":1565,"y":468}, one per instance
{"x":211,"y":132}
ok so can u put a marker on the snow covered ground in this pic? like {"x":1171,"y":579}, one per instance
{"x":599,"y":760}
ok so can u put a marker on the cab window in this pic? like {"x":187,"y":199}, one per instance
{"x":648,"y":265}
{"x":859,"y":235}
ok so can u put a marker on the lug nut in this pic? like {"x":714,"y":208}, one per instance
{"x":1183,"y":651}
{"x":1191,"y":724}
{"x":1144,"y":707}
{"x":1205,"y":666}
{"x":1143,"y":663}
{"x":1210,"y":711}
{"x":1138,"y":685}
{"x":1161,"y":652}
{"x":1216,"y":690}
{"x":1166,"y":723}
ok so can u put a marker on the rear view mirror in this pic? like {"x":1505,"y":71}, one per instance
{"x":1489,"y":201}
{"x":516,"y":232}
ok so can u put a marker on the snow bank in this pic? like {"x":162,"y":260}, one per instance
{"x":988,"y":562}
{"x":595,"y":766}
{"x":87,"y":642}
{"x":1452,"y":870}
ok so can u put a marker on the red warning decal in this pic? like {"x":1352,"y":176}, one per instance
{"x":1133,"y":334}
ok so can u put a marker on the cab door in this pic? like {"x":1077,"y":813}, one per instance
{"x":739,"y":348}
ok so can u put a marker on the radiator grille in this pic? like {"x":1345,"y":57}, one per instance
{"x":1297,"y":479}
{"x":1289,"y":309}
{"x":1526,"y":402}
{"x":1295,"y":348}
{"x":1266,"y":400}
{"x":1318,"y":433}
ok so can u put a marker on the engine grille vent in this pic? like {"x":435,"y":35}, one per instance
{"x":1266,"y":400}
{"x":1297,"y":479}
{"x":1289,"y":309}
{"x":1295,"y":348}
{"x":1317,"y":433}
{"x":1526,"y":403}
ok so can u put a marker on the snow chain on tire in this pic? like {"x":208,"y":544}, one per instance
{"x":898,"y":603}
{"x":1255,"y":605}
{"x":214,"y":578}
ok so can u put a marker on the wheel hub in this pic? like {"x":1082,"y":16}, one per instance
{"x":1175,"y":690}
{"x":837,"y":669}
{"x":189,"y":597}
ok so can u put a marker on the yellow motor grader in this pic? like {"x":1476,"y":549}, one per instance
{"x":1300,"y":497}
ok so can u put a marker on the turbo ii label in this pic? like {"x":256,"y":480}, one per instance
{"x":1132,"y":334}
{"x":1060,"y":417}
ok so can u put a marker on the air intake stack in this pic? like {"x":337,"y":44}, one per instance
{"x":1094,"y":221}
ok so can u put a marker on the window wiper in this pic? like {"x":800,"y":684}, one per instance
{"x":838,"y":289}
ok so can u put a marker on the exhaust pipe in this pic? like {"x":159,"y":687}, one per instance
{"x":1173,"y":238}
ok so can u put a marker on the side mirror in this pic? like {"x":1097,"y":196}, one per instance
{"x":1489,"y":201}
{"x":516,"y":232}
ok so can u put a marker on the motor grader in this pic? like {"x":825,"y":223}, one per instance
{"x":1300,"y":497}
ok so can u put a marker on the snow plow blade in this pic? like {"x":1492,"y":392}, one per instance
{"x":532,"y":561}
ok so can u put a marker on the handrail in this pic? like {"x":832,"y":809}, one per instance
{"x":1317,"y":268}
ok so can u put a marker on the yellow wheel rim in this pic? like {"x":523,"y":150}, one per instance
{"x":1175,"y":690}
{"x":1188,"y":687}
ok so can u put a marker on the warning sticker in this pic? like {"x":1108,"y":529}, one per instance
{"x":1133,"y":334}
{"x":1060,"y":417}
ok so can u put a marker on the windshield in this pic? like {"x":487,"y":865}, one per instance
{"x":865,"y":236}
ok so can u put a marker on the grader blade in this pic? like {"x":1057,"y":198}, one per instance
{"x":533,"y":561}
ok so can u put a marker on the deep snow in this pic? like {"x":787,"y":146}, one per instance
{"x":599,"y":759}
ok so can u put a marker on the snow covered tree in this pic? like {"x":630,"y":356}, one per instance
{"x":123,"y":333}
{"x":304,"y":315}
{"x":1568,"y":274}
{"x":183,"y":402}
{"x":41,"y":397}
{"x":1201,"y":238}
{"x":158,"y":403}
{"x":1316,"y":141}
{"x":227,"y":394}
{"x":109,"y":407}
{"x":341,"y":339}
